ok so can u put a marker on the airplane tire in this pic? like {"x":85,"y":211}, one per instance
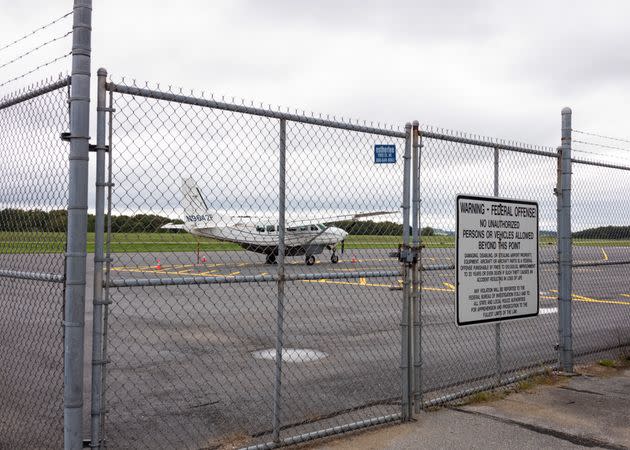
{"x":310,"y":260}
{"x":271,"y":259}
{"x":334,"y":258}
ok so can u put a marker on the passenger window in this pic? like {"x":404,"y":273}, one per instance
{"x":292,"y":229}
{"x":303,"y":228}
{"x":260,"y":228}
{"x":271,"y":228}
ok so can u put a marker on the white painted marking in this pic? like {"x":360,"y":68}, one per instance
{"x":547,"y":310}
{"x":290,"y":355}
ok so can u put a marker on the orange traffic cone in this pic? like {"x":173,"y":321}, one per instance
{"x":159,"y":265}
{"x":354,"y":260}
{"x":203,"y":260}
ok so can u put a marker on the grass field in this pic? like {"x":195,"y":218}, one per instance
{"x":39,"y":242}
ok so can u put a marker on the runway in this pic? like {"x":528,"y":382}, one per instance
{"x":182,"y":356}
{"x":184,"y":367}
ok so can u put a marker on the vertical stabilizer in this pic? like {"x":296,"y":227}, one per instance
{"x":193,"y":203}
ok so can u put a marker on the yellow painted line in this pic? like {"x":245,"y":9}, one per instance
{"x":362,"y":281}
{"x":604,"y":253}
{"x":625,"y":295}
{"x":371,"y":268}
{"x":233,"y":273}
{"x":264,"y":273}
{"x":449,"y":285}
{"x":437,"y":289}
{"x":581,"y":298}
{"x":209,"y":272}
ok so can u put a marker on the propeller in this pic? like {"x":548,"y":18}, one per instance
{"x":343,"y":245}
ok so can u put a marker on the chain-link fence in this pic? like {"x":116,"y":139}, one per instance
{"x":33,"y":202}
{"x":202,"y":298}
{"x":601,"y":254}
{"x":456,"y":360}
{"x":236,"y":234}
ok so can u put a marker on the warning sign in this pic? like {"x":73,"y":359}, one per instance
{"x":497,"y":259}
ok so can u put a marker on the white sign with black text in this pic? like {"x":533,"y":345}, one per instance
{"x":497,"y":259}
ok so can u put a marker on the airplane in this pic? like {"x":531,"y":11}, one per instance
{"x":302,"y":237}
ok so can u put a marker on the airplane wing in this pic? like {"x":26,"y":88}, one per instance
{"x":336,"y":218}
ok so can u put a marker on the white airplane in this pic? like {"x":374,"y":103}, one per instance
{"x":260,"y":235}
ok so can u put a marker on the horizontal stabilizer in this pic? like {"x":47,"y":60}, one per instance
{"x":173,"y":226}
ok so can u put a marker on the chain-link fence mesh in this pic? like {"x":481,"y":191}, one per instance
{"x":201,"y":301}
{"x":33,"y":202}
{"x":194,"y":320}
{"x":601,"y":257}
{"x":460,"y":359}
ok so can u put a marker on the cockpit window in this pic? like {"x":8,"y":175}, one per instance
{"x":314,"y":228}
{"x":303,"y":228}
{"x":271,"y":228}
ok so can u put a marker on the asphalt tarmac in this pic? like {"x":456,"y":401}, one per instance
{"x":183,"y":373}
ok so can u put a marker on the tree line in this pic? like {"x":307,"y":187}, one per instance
{"x":369,"y":227}
{"x":57,"y":220}
{"x":608,"y":232}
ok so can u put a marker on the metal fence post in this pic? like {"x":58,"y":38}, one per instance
{"x":277,"y":387}
{"x":497,"y":325}
{"x":99,"y":259}
{"x":405,"y":257}
{"x":77,"y":225}
{"x":565,"y":256}
{"x":415,"y":273}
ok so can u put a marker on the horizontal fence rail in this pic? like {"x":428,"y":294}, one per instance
{"x":31,"y":94}
{"x":175,"y":281}
{"x":196,"y":101}
{"x":35,"y":276}
{"x":486,"y":143}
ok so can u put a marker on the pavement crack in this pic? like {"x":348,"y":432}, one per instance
{"x":578,"y":440}
{"x":580,"y":390}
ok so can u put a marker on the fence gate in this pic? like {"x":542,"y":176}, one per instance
{"x":33,"y":202}
{"x":458,"y":361}
{"x":193,"y":325}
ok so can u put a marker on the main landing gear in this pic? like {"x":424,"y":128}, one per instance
{"x":310,"y":260}
{"x":271,"y":259}
{"x":334,"y":258}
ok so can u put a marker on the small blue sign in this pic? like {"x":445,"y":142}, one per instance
{"x":384,"y":154}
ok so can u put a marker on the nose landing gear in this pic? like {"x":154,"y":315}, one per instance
{"x":310,"y":260}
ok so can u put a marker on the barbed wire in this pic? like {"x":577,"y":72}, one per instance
{"x":601,"y":145}
{"x":602,"y":136}
{"x":43,"y":27}
{"x":35,"y":49}
{"x":600,"y":154}
{"x":36,"y":69}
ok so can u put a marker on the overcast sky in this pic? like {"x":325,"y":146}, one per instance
{"x":496,"y":68}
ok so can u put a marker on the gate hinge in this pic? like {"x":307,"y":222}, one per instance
{"x":95,"y":148}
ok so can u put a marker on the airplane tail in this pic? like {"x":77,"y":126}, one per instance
{"x":194,"y":205}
